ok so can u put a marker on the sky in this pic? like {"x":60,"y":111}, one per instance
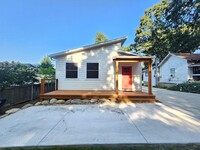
{"x":32,"y":29}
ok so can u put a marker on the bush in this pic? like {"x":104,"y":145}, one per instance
{"x":15,"y":73}
{"x":191,"y":87}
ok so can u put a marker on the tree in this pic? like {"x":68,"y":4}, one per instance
{"x":100,"y":37}
{"x":16,"y":73}
{"x":170,"y":26}
{"x":184,"y":20}
{"x":46,"y":68}
{"x":128,"y":48}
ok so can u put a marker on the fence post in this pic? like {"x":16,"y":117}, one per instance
{"x":56,"y":84}
{"x":42,"y":86}
{"x":32,"y":91}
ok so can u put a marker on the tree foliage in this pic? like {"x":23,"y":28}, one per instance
{"x":46,"y":68}
{"x":170,"y":26}
{"x":15,"y":73}
{"x":128,"y":48}
{"x":100,"y":37}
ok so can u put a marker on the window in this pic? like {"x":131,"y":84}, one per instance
{"x":196,"y":70}
{"x":71,"y":70}
{"x":196,"y":78}
{"x":126,"y":70}
{"x":146,"y":74}
{"x":92,"y":70}
{"x":172,"y":72}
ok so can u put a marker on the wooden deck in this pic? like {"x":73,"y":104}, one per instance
{"x":86,"y":94}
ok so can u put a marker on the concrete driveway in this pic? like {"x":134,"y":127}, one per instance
{"x":188,"y":103}
{"x":167,"y":122}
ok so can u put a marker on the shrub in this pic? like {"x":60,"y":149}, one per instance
{"x":15,"y":73}
{"x":191,"y":87}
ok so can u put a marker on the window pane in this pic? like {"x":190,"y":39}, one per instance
{"x":126,"y":69}
{"x":196,"y":70}
{"x":196,"y":78}
{"x":92,"y":74}
{"x":146,"y":74}
{"x":92,"y":66}
{"x":71,"y":66}
{"x":71,"y":74}
{"x":172,"y":70}
{"x":92,"y":70}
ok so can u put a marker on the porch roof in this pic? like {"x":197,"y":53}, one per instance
{"x":133,"y":58}
{"x":194,"y":65}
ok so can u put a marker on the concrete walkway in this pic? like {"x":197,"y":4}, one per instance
{"x":99,"y":124}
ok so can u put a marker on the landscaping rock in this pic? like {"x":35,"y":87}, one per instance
{"x":61,"y":101}
{"x":13,"y":110}
{"x":93,"y":100}
{"x":38,"y":103}
{"x":103,"y":100}
{"x":76,"y":101}
{"x":85,"y":101}
{"x":2,"y":116}
{"x":45,"y":102}
{"x":113,"y":99}
{"x":53,"y":101}
{"x":26,"y":106}
{"x":68,"y":101}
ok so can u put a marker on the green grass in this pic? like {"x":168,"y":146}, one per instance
{"x":117,"y":147}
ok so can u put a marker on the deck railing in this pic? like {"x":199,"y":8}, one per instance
{"x":48,"y":81}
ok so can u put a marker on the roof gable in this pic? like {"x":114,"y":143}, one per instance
{"x":165,"y":59}
{"x":88,"y":47}
{"x":187,"y":56}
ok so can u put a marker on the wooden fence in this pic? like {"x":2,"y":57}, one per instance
{"x":19,"y":94}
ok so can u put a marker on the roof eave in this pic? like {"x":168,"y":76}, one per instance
{"x":119,"y":40}
{"x":127,"y":53}
{"x":163,"y":61}
{"x":118,"y":58}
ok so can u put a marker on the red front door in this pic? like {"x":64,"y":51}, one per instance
{"x":127,"y":78}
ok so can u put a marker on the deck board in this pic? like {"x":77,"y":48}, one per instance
{"x":83,"y":94}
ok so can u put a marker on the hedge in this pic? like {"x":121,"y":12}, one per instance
{"x":191,"y":87}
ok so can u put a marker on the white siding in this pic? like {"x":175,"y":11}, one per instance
{"x":106,"y":81}
{"x":103,"y":56}
{"x":181,"y":70}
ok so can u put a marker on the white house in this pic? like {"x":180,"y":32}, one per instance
{"x":179,"y":68}
{"x":102,"y":66}
{"x":145,"y":76}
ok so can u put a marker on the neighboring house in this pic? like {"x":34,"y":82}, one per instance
{"x":31,"y":65}
{"x":145,"y":76}
{"x":153,"y":73}
{"x":102,"y":66}
{"x":179,"y":68}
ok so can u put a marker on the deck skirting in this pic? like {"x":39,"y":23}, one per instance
{"x":89,"y":94}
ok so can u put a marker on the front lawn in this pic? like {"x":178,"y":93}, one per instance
{"x":118,"y":147}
